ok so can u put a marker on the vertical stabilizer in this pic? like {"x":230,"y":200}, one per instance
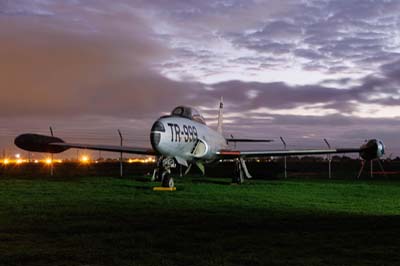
{"x":220,"y":116}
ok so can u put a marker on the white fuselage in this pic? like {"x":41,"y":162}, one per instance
{"x":178,"y":136}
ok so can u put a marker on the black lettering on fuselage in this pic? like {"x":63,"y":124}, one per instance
{"x":177,"y":133}
{"x":188,"y":132}
{"x":195,"y":133}
{"x":185,"y":131}
{"x":172,"y":131}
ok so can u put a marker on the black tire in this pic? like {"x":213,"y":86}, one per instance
{"x":167,"y":180}
{"x":238,"y":175}
{"x":237,"y":180}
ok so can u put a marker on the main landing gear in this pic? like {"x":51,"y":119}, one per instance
{"x":241,"y":171}
{"x":165,"y":165}
{"x":364,"y":163}
{"x":163,"y":171}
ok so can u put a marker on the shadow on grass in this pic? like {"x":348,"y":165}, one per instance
{"x":210,"y":181}
{"x":190,"y":237}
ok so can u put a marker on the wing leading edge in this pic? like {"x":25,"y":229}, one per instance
{"x":370,"y":150}
{"x":266,"y":153}
{"x":50,"y":144}
{"x":248,"y":140}
{"x":111,"y":148}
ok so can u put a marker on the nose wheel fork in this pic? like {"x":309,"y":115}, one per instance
{"x":167,"y":180}
{"x":163,"y":171}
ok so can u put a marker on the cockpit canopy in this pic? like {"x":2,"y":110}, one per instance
{"x":188,"y":112}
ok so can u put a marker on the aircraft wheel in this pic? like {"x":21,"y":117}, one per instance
{"x":237,"y":180}
{"x":167,"y":180}
{"x":238,"y":175}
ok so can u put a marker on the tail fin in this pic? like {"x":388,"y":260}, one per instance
{"x":220,"y":116}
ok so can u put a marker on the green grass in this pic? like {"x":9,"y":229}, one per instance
{"x":109,"y":221}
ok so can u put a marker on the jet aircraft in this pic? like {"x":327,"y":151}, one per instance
{"x":184,"y":138}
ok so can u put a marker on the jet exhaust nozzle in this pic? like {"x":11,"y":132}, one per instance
{"x":39,"y":143}
{"x":372,"y":149}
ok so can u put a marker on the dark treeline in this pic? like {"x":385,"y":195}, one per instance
{"x":306,"y":167}
{"x":341,"y":168}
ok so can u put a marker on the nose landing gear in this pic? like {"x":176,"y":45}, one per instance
{"x":163,"y":172}
{"x":167,"y":180}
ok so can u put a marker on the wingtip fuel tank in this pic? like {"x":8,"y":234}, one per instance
{"x":372,"y":149}
{"x":39,"y":143}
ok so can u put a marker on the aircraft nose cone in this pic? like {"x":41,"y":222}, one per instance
{"x":155,"y":135}
{"x":155,"y":138}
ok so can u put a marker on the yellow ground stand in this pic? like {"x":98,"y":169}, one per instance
{"x":164,"y":188}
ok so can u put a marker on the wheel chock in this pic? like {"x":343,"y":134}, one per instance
{"x":164,"y":188}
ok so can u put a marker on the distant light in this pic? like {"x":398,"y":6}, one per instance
{"x":17,"y":155}
{"x":141,"y":160}
{"x":19,"y":161}
{"x":36,"y":161}
{"x":84,"y":159}
{"x":48,"y":161}
{"x":6,"y":161}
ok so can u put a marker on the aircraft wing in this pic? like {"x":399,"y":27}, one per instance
{"x":50,"y":144}
{"x":112,"y":148}
{"x":371,"y":149}
{"x":248,"y":140}
{"x":267,"y":153}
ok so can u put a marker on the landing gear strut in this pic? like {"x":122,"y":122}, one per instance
{"x":238,"y":177}
{"x":240,"y":171}
{"x":163,"y":171}
{"x":364,"y":162}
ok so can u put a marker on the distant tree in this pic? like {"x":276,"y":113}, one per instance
{"x":346,"y":158}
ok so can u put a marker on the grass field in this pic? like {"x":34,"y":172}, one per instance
{"x":110,"y":221}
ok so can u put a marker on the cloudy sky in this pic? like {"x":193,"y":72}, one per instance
{"x":305,"y":70}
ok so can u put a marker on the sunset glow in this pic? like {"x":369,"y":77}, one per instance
{"x":328,"y":68}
